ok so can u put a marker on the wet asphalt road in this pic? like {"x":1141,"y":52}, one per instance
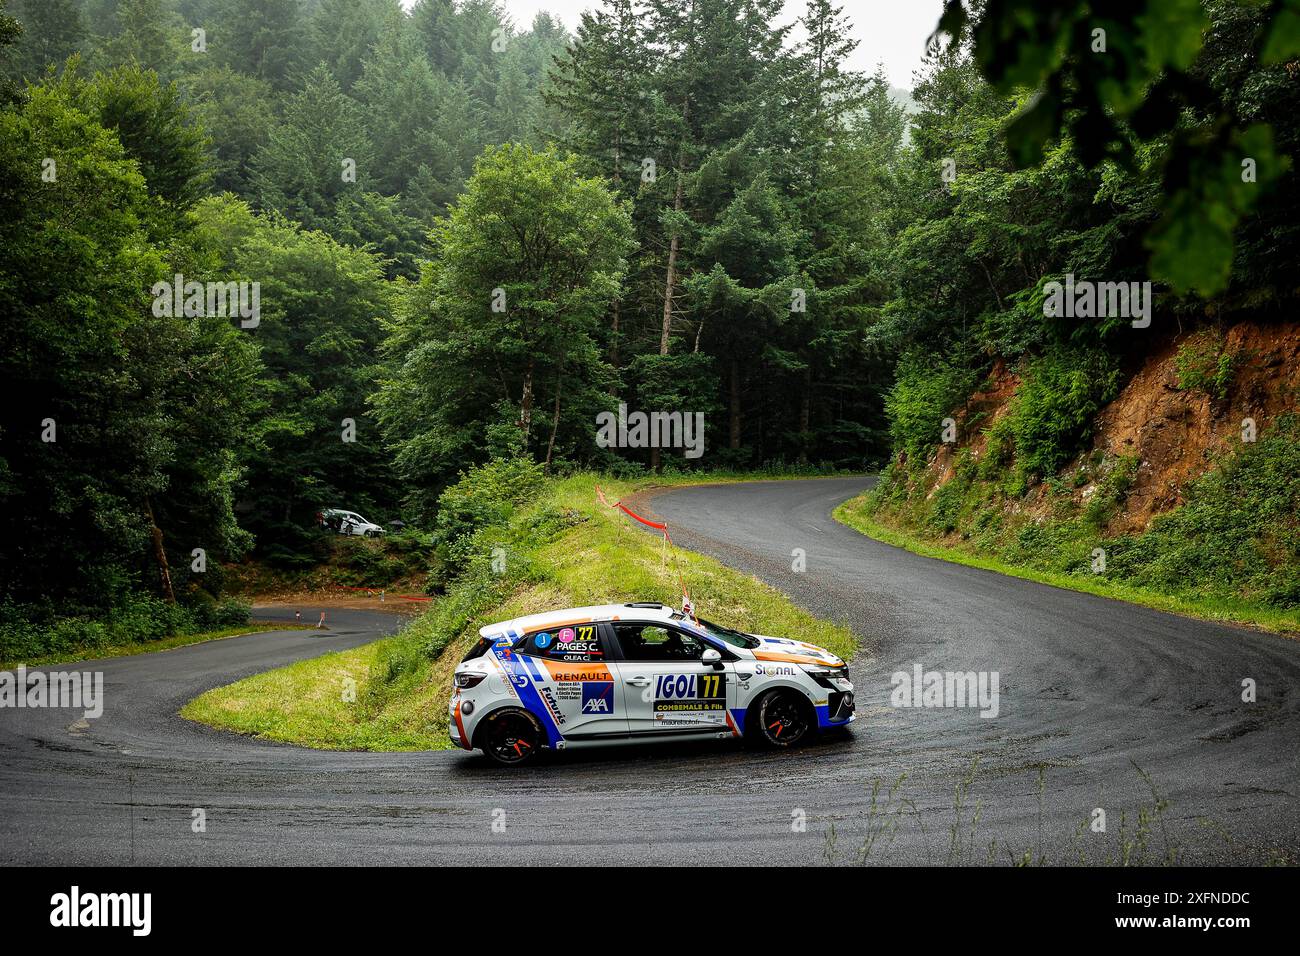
{"x":1097,"y":697}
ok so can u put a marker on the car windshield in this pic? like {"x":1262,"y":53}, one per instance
{"x":731,"y":636}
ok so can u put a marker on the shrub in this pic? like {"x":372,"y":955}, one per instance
{"x":1052,"y":415}
{"x":925,"y":391}
{"x":1204,"y":364}
{"x":1238,"y":530}
{"x":484,"y":497}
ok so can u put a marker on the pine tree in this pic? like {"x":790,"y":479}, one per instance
{"x":262,"y":38}
{"x":52,"y":31}
{"x":318,"y":152}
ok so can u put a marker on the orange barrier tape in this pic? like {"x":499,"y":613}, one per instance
{"x":404,"y":597}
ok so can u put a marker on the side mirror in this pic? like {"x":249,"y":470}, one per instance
{"x":711,"y":658}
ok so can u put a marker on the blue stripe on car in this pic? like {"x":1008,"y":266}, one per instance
{"x":524,"y":686}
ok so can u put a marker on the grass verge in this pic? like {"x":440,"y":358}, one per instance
{"x":561,"y":549}
{"x":1211,"y":608}
{"x":148,"y":647}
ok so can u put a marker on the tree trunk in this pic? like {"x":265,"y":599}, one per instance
{"x":555,"y":426}
{"x":805,"y":410}
{"x":526,"y":403}
{"x":734,"y":438}
{"x":670,"y":283}
{"x":613,"y":338}
{"x":160,"y":554}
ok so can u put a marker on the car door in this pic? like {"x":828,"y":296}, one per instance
{"x":667,"y":689}
{"x":570,"y":667}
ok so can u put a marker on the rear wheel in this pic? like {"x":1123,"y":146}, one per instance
{"x":510,"y":737}
{"x":784,"y":718}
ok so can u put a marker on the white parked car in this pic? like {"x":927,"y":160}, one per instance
{"x":623,"y":673}
{"x":348,"y":522}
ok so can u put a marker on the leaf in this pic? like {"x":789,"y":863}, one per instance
{"x":1284,"y":38}
{"x":1172,"y":33}
{"x":1191,"y":246}
{"x":1032,"y":128}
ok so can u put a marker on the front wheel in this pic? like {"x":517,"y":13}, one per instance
{"x":511,"y":737}
{"x":784,"y":718}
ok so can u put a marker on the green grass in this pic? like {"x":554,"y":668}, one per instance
{"x":1209,"y":608}
{"x":563,"y":550}
{"x":148,"y":647}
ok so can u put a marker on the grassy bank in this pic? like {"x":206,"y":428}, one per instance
{"x":1221,"y":609}
{"x":1230,"y":552}
{"x":558,"y":548}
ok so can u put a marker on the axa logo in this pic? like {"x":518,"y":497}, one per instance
{"x":598,"y":697}
{"x":74,"y":908}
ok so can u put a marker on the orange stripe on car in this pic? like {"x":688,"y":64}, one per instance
{"x":460,"y":727}
{"x":791,"y":658}
{"x":561,"y":671}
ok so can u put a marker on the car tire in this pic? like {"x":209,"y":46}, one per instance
{"x":509,"y":737}
{"x":782,"y":718}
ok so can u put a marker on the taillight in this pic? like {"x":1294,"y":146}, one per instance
{"x":464,"y":681}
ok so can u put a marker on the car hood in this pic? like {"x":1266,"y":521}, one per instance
{"x":787,"y":651}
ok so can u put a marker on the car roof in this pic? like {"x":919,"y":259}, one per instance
{"x":638,"y":611}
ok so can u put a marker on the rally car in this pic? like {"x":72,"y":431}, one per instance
{"x":621,"y":673}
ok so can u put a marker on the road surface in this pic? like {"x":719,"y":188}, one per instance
{"x":1096,"y":699}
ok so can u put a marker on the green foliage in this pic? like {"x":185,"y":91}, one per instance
{"x":1203,"y":363}
{"x":925,"y":392}
{"x":1234,"y":539}
{"x":503,"y":321}
{"x":1052,"y":414}
{"x":10,"y":32}
{"x":485,"y":497}
{"x":323,"y":308}
{"x":1237,"y":532}
{"x":300,"y":170}
{"x":52,"y":30}
{"x":237,"y":110}
{"x":30,"y":632}
{"x":1109,"y":81}
{"x":162,"y":439}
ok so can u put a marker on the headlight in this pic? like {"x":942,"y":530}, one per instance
{"x":469,"y":680}
{"x":826,"y":676}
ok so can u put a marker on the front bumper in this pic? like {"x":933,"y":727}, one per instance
{"x":839,"y":707}
{"x":456,"y":724}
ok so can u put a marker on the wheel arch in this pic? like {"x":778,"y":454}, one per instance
{"x":751,"y":710}
{"x":485,"y":719}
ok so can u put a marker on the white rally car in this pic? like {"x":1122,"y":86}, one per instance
{"x":621,"y":673}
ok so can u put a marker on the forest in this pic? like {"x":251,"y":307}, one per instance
{"x":473,"y":238}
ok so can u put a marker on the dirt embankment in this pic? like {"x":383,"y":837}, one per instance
{"x":1174,"y":432}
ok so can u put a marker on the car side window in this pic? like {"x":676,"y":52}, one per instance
{"x":578,"y":643}
{"x":654,"y":642}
